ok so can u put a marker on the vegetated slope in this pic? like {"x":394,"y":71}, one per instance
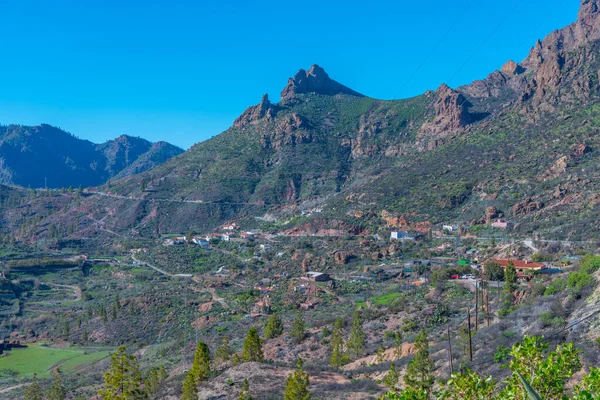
{"x":523,"y":140}
{"x":29,"y":155}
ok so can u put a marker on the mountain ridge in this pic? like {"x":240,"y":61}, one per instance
{"x":30,"y":155}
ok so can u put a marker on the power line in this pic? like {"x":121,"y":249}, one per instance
{"x":433,"y":49}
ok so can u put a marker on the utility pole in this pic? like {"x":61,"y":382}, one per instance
{"x":487,"y":307}
{"x":476,"y":306}
{"x":450,"y":351}
{"x":470,"y":339}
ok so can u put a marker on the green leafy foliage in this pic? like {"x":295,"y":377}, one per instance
{"x":274,"y":327}
{"x":296,"y":385}
{"x":418,"y":374}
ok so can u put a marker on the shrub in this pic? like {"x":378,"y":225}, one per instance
{"x":578,"y":282}
{"x":590,"y":263}
{"x":556,"y":286}
{"x":501,"y":354}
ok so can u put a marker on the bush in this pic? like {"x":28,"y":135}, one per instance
{"x":556,"y":286}
{"x":501,"y":354}
{"x":590,"y":264}
{"x":578,"y":282}
{"x":549,"y":319}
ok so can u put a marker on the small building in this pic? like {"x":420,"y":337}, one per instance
{"x":317,"y":276}
{"x":522,"y":266}
{"x":227,"y":237}
{"x":201,"y":242}
{"x":215,"y":236}
{"x":247,"y":235}
{"x":397,"y":235}
{"x":502,"y":224}
{"x":230,"y":227}
{"x":266,"y":247}
{"x":450,"y":228}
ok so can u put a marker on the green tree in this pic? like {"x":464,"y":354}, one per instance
{"x":274,"y":327}
{"x":418,"y":374}
{"x":57,"y":390}
{"x":155,"y":380}
{"x":469,"y":385}
{"x":201,"y":365}
{"x":406,"y":394}
{"x":253,"y":347}
{"x":224,"y":351}
{"x":391,"y":379}
{"x":33,"y":391}
{"x":547,"y":375}
{"x":380,"y":354}
{"x":123,"y":380}
{"x":337,"y":345}
{"x":494,"y":271}
{"x":357,"y":339}
{"x":296,"y":385}
{"x":244,"y":394}
{"x":189,"y":391}
{"x":398,"y":345}
{"x":297,"y":333}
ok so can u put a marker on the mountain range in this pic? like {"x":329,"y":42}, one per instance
{"x":521,"y":144}
{"x":39,"y":155}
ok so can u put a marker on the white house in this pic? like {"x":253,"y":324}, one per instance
{"x":397,"y":235}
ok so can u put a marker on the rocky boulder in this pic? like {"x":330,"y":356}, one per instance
{"x":527,"y":206}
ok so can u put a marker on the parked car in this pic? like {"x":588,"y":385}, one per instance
{"x":455,"y":277}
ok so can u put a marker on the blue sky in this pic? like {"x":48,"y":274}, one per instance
{"x":181,"y":71}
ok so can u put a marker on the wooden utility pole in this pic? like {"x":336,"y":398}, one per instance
{"x":476,"y":306}
{"x":450,"y":351}
{"x":487,"y":307}
{"x":470,"y":340}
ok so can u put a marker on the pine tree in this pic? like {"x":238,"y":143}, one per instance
{"x":224,"y":352}
{"x":297,"y":333}
{"x":274,"y":327}
{"x":510,"y":278}
{"x":57,"y":390}
{"x":418,"y":374}
{"x":253,"y":351}
{"x":33,"y":391}
{"x":357,"y":339}
{"x":380,"y":354}
{"x":296,"y":385}
{"x":337,"y":345}
{"x":123,"y":380}
{"x":155,"y":380}
{"x":201,"y":366}
{"x":189,"y":391}
{"x":244,"y":395}
{"x":398,"y":345}
{"x":391,"y":379}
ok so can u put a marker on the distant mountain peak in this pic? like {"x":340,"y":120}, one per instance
{"x":315,"y":80}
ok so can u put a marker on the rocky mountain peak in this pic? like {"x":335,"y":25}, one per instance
{"x":315,"y":80}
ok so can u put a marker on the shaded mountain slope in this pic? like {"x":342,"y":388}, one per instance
{"x":30,"y":155}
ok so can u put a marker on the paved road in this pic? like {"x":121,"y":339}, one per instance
{"x":161,"y":271}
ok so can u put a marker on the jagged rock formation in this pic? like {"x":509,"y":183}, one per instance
{"x":315,"y":80}
{"x":254,"y":113}
{"x":451,"y":116}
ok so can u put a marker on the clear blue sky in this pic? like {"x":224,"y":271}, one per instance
{"x":181,"y":71}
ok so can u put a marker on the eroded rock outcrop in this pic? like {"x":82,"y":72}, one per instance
{"x":527,"y":206}
{"x":451,"y":115}
{"x":254,"y":113}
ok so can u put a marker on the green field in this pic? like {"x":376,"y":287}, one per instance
{"x":39,"y":359}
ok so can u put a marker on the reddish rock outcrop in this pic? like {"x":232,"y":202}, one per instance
{"x":342,"y":257}
{"x":512,"y":68}
{"x":580,"y":149}
{"x":527,"y":206}
{"x":451,"y":115}
{"x":254,"y":113}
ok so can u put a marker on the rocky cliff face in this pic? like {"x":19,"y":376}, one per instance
{"x":315,"y":80}
{"x":451,"y":116}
